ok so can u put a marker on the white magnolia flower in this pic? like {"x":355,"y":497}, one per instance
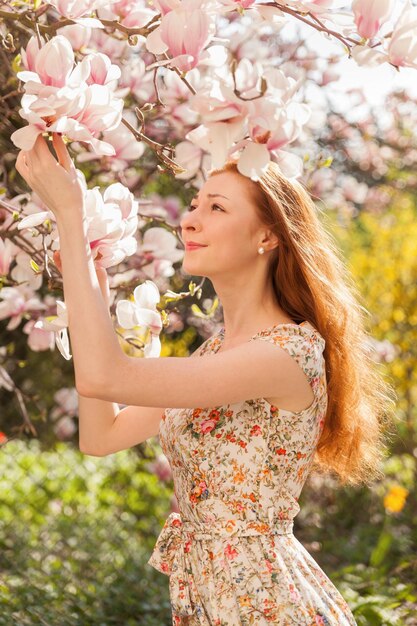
{"x":142,"y":312}
{"x":58,"y":324}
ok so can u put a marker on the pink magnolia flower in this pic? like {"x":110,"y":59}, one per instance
{"x":8,"y":251}
{"x":126,"y":148}
{"x":402,"y":46}
{"x":38,"y":338}
{"x":112,"y":223}
{"x":271,"y":128}
{"x":184,"y":32}
{"x":102,"y":70}
{"x":67,"y":402}
{"x":64,"y":412}
{"x":16,"y":302}
{"x":77,"y":34}
{"x":131,"y":13}
{"x":159,"y":248}
{"x":232,"y":5}
{"x":272,"y":121}
{"x":190,"y":157}
{"x":65,"y":428}
{"x":29,"y":54}
{"x":369,"y":15}
{"x":61,"y":96}
{"x":114,"y":48}
{"x":315,"y":6}
{"x":52,"y":64}
{"x":138,"y":81}
{"x":161,"y":468}
{"x":224,"y":118}
{"x":77,"y":8}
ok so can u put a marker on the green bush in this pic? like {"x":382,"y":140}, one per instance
{"x":75,"y":535}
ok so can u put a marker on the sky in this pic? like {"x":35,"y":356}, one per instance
{"x":376,"y":82}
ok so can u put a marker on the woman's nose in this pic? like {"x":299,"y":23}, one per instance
{"x":189,"y":220}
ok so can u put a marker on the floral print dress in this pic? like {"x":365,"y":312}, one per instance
{"x":238,"y":470}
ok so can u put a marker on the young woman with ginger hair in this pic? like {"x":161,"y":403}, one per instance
{"x":288,"y":385}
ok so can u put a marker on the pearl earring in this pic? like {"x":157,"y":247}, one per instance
{"x":261,"y":250}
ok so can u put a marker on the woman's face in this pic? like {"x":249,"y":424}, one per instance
{"x":222,"y":217}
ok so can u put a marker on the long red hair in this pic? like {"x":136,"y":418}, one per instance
{"x":311,"y":282}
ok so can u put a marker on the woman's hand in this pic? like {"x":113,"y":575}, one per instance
{"x":102,"y":277}
{"x":55,"y":182}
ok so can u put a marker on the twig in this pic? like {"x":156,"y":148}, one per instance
{"x":158,"y":148}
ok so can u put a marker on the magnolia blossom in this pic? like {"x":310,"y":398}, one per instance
{"x":371,"y":14}
{"x":272,"y":121}
{"x":126,"y":147}
{"x":112,"y":222}
{"x":38,"y":338}
{"x":189,"y":156}
{"x":314,"y":6}
{"x":77,"y":34}
{"x":8,"y":251}
{"x":224,"y":121}
{"x":64,"y":412}
{"x":159,"y":248}
{"x":71,"y":98}
{"x":65,"y":428}
{"x":142,"y":312}
{"x":161,"y":467}
{"x":66,"y":400}
{"x":402,"y":46}
{"x":137,"y":81}
{"x":16,"y":302}
{"x":131,"y":13}
{"x":76,"y":9}
{"x":58,"y":324}
{"x":184,"y":32}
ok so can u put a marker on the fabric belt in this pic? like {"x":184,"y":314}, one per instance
{"x":170,"y":554}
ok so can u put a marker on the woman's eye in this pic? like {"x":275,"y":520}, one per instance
{"x":192,"y":207}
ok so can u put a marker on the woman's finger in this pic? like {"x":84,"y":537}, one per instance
{"x":41,"y":152}
{"x":21,"y":164}
{"x":57,"y":260}
{"x":62,"y":153}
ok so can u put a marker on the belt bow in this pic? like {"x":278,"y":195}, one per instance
{"x":170,"y":555}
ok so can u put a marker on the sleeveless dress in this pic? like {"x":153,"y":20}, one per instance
{"x":238,"y":471}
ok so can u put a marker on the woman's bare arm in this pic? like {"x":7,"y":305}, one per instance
{"x":97,"y":417}
{"x":113,"y":430}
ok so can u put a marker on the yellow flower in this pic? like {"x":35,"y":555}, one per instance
{"x":395,"y":499}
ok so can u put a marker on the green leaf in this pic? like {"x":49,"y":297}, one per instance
{"x":34,"y":266}
{"x":381,"y":550}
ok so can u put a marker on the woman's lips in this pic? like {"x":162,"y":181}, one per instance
{"x":192,"y":246}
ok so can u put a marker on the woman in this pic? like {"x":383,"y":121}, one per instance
{"x":287,"y":385}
